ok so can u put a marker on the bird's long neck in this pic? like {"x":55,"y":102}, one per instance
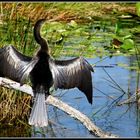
{"x":41,"y":41}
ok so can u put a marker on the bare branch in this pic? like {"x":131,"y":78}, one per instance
{"x":61,"y":105}
{"x":128,"y":101}
{"x":132,"y":99}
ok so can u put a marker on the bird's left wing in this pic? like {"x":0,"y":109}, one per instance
{"x":73,"y":73}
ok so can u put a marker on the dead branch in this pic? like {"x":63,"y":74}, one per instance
{"x":61,"y":105}
{"x":132,"y":99}
{"x":127,"y":101}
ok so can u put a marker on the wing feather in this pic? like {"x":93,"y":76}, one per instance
{"x":73,"y":73}
{"x":15,"y":65}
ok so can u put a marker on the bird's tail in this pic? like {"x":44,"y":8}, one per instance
{"x":38,"y":116}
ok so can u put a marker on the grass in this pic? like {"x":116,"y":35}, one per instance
{"x":14,"y":106}
{"x":65,"y":11}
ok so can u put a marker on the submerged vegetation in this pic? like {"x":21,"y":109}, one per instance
{"x":90,"y":29}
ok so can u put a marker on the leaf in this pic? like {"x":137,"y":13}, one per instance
{"x":127,"y":37}
{"x":127,"y":44}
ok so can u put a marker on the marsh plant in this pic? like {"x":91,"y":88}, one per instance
{"x":14,"y":107}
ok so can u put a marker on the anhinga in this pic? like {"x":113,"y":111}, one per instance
{"x":45,"y":72}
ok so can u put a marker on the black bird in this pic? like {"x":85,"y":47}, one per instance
{"x":45,"y":72}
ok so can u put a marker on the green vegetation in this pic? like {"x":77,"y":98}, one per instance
{"x":14,"y":107}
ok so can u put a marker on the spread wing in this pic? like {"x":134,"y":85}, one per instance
{"x":15,"y":65}
{"x":73,"y":73}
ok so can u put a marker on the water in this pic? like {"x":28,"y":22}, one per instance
{"x":120,"y":120}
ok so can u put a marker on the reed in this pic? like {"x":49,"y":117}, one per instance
{"x":14,"y":106}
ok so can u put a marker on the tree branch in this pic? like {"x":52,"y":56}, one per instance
{"x":127,"y":101}
{"x":132,"y":99}
{"x":61,"y":105}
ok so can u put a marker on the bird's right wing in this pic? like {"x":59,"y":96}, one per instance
{"x":15,"y":65}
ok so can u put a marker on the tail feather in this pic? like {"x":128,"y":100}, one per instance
{"x":38,"y":116}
